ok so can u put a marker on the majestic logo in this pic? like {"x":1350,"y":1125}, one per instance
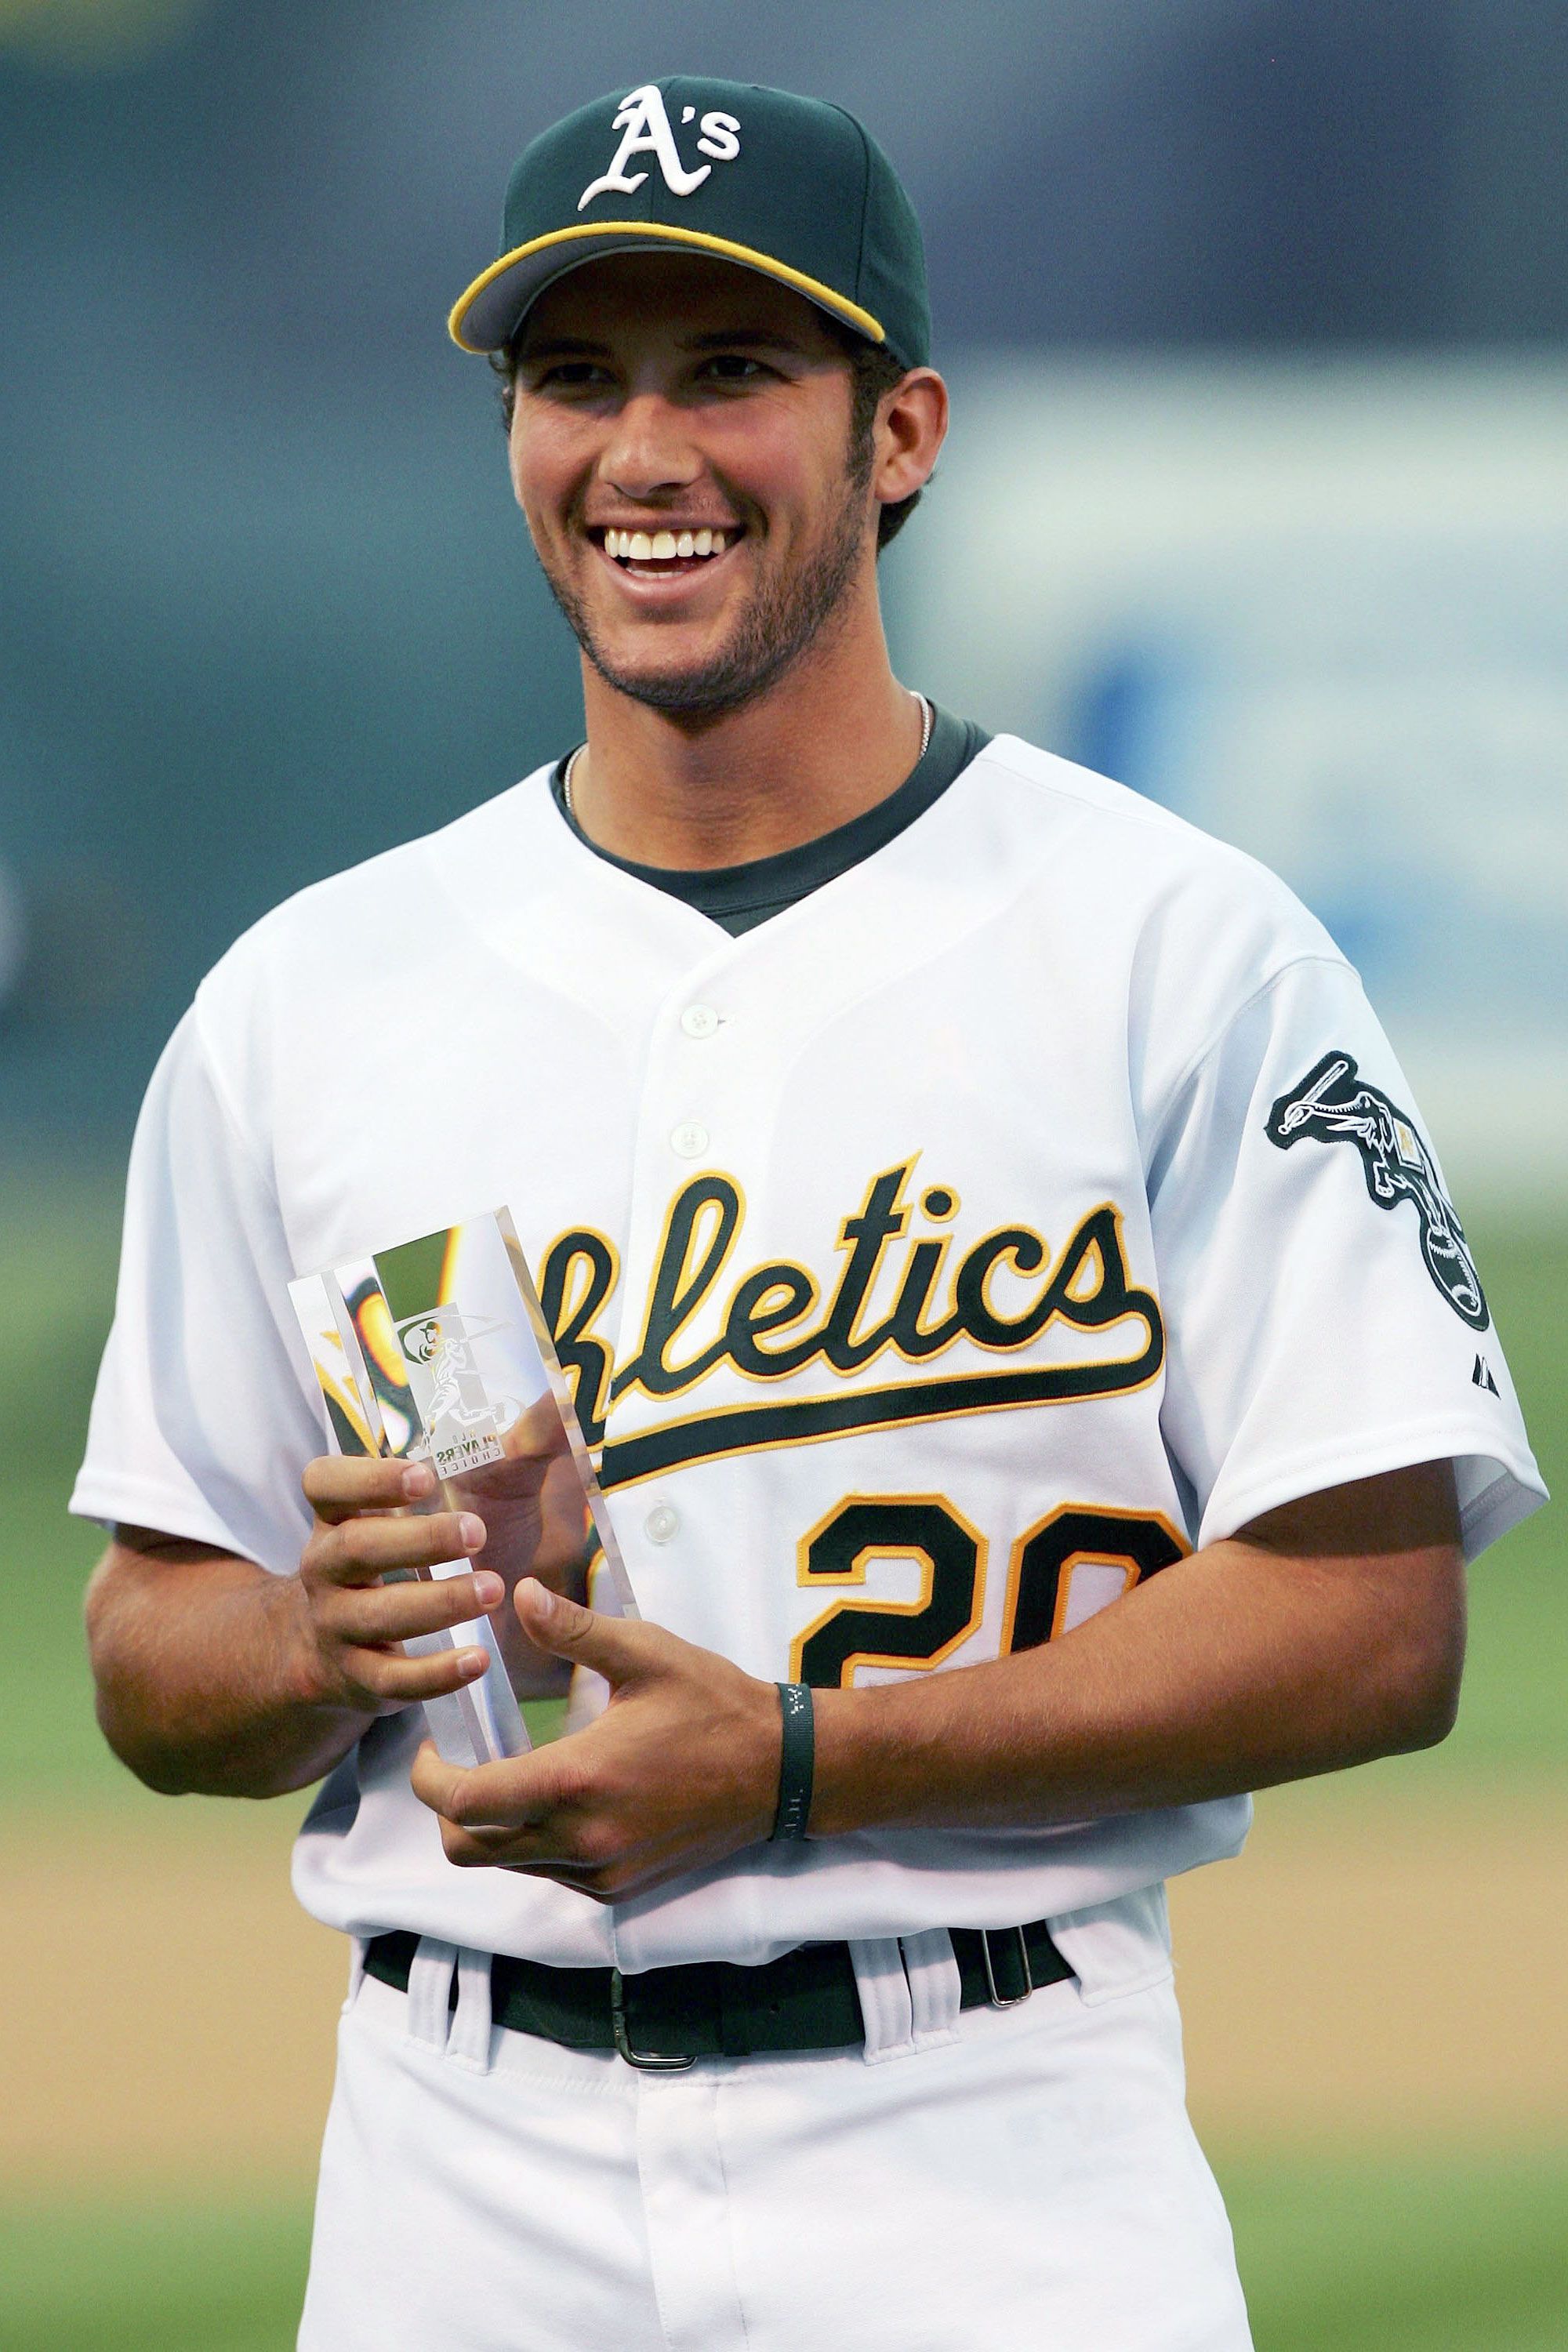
{"x":645,"y":131}
{"x":904,"y":1295}
{"x":1335,"y":1104}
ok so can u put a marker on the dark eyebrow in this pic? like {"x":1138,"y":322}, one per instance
{"x":745,"y":339}
{"x":564,"y":347}
{"x":734,"y":339}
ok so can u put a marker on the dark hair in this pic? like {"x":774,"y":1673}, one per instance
{"x":873,"y":372}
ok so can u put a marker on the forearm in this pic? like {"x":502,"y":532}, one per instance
{"x":1232,"y":1671}
{"x":1326,"y":1632}
{"x":205,"y":1676}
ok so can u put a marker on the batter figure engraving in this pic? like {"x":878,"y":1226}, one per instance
{"x":458,"y":1417}
{"x":1335,"y":1104}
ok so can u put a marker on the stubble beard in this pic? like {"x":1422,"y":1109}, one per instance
{"x":787,"y":619}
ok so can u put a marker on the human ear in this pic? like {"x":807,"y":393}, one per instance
{"x":911,"y":426}
{"x":514,"y":454}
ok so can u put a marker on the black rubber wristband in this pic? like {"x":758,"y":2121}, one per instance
{"x":797,"y":1761}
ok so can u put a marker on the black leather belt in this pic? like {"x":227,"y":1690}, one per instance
{"x":668,"y":2018}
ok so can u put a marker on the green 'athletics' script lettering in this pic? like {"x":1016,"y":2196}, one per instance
{"x":775,"y":1324}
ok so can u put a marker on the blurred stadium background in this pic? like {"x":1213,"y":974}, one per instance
{"x":1257,"y":313}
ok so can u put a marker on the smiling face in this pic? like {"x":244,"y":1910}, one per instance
{"x":682,"y":448}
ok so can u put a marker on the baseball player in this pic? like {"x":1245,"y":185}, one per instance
{"x":1042,"y":1388}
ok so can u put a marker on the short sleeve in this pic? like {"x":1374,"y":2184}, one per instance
{"x":201,"y":1423}
{"x":1325,"y":1319}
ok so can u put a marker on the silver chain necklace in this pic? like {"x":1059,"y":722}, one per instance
{"x":928,"y":720}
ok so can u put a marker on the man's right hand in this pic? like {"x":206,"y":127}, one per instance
{"x":368,"y":1521}
{"x":215,"y":1674}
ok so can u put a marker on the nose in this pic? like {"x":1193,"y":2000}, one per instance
{"x":651,"y":449}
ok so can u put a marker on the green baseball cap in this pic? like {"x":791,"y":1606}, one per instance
{"x":790,"y":186}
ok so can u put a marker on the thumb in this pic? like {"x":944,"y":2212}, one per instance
{"x":615,"y":1647}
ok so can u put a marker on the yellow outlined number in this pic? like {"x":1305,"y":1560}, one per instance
{"x":863,"y":1527}
{"x":952,"y":1556}
{"x":1040,"y":1570}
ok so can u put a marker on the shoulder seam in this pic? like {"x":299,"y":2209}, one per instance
{"x":1212,"y":1044}
{"x":418,"y":846}
{"x":1136,"y":805}
{"x":1130,"y":805}
{"x":224,"y":1097}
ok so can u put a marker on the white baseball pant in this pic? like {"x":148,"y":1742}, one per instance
{"x":1020,"y":2180}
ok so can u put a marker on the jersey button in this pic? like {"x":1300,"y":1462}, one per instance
{"x":689,"y":1140}
{"x":699,"y":1020}
{"x":661,"y":1523}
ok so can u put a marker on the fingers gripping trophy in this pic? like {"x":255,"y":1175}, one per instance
{"x":435,"y":1353}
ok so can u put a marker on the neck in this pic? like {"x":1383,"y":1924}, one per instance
{"x":828,"y":741}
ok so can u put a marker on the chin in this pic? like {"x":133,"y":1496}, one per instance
{"x":698,"y":693}
{"x":702,"y":677}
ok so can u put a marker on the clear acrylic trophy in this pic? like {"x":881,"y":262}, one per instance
{"x":436,"y":1350}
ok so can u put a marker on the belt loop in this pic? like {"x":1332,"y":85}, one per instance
{"x":936,"y":1988}
{"x":884,"y":2003}
{"x":430,"y":1992}
{"x":469,"y":2039}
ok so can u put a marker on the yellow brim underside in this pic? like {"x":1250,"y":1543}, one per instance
{"x":698,"y":240}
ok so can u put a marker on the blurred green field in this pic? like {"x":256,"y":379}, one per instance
{"x":1435,"y":2257}
{"x":1443,"y":2250}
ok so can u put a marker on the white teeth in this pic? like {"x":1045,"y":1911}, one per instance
{"x":661,"y":546}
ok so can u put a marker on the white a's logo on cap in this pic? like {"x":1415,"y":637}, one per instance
{"x":645,"y":130}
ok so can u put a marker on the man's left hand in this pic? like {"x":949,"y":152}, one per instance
{"x":680,"y":1771}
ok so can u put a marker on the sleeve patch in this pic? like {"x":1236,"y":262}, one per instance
{"x":1333,"y":1104}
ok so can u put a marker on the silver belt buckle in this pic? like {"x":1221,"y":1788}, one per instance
{"x":1008,"y":2001}
{"x":651,"y":2062}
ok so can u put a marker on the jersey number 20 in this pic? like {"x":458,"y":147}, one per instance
{"x":950,"y":1554}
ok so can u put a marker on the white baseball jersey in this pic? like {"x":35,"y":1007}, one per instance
{"x":1034,"y":1201}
